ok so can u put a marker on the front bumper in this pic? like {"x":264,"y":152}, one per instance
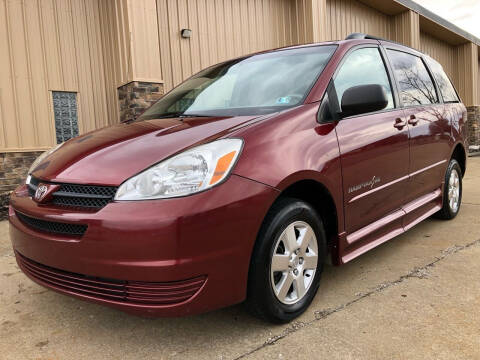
{"x":209,"y":235}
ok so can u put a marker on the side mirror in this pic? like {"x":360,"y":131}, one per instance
{"x":363,"y":99}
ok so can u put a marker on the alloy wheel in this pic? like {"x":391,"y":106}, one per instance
{"x":294,"y":262}
{"x":454,"y":190}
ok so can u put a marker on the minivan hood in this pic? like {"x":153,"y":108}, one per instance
{"x":111,"y":155}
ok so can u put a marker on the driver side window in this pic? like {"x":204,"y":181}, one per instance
{"x":363,"y":67}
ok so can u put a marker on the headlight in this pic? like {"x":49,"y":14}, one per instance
{"x":187,"y":173}
{"x":42,"y":157}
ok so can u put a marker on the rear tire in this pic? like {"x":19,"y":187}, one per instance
{"x":287,"y":262}
{"x":452,"y":191}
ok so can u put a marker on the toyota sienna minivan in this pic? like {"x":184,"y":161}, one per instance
{"x":241,"y":182}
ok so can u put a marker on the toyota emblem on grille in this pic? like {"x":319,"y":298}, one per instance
{"x":41,"y":192}
{"x":44,"y":192}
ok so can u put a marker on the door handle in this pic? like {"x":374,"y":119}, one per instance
{"x":399,"y":123}
{"x":413,"y":120}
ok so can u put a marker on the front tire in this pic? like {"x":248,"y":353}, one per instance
{"x":287,"y":261}
{"x":452,"y":191}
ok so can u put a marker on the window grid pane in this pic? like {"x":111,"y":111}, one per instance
{"x":65,"y":112}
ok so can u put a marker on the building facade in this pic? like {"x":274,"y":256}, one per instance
{"x":71,"y":66}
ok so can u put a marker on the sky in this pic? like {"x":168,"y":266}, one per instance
{"x":463,"y":13}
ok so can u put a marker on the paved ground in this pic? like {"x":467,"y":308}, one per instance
{"x":416,"y":297}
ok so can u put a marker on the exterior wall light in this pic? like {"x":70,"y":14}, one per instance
{"x":186,"y":33}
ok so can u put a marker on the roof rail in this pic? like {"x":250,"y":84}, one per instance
{"x":362,"y":36}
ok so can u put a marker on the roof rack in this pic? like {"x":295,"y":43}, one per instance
{"x":363,"y":36}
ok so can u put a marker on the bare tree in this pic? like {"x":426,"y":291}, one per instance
{"x":416,"y":89}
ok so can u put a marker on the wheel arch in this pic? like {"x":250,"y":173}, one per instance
{"x":459,"y":154}
{"x":317,"y":194}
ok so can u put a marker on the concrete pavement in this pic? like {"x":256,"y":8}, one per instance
{"x":415,"y":297}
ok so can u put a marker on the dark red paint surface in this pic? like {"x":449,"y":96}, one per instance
{"x":212,"y":233}
{"x":117,"y":152}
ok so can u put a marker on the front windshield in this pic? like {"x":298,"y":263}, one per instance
{"x":255,"y":85}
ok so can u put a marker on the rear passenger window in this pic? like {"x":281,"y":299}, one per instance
{"x":443,"y":82}
{"x":363,"y":67}
{"x":416,"y":85}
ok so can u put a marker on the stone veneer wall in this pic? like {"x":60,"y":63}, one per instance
{"x":4,"y":200}
{"x":473,"y":124}
{"x":137,"y":96}
{"x":13,"y":170}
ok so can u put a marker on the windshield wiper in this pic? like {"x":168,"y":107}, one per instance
{"x":194,"y":115}
{"x":174,"y":115}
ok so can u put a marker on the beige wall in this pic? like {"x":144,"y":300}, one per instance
{"x":405,"y":28}
{"x":347,"y":16}
{"x":467,"y":72}
{"x":441,"y":51}
{"x":221,"y":30}
{"x":144,"y":40}
{"x":116,"y":50}
{"x":49,"y":45}
{"x":94,"y":46}
{"x":478,"y":84}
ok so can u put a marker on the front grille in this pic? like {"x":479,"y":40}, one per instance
{"x":76,"y":195}
{"x":52,"y":226}
{"x":129,"y":292}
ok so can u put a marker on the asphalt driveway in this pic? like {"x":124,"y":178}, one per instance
{"x":415,"y":297}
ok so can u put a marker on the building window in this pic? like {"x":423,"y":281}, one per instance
{"x":66,"y":118}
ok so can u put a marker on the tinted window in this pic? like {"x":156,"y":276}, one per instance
{"x":363,"y":67}
{"x":416,"y":85}
{"x":258,"y":84}
{"x":443,"y":82}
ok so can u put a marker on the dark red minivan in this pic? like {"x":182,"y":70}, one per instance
{"x":240,"y":182}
